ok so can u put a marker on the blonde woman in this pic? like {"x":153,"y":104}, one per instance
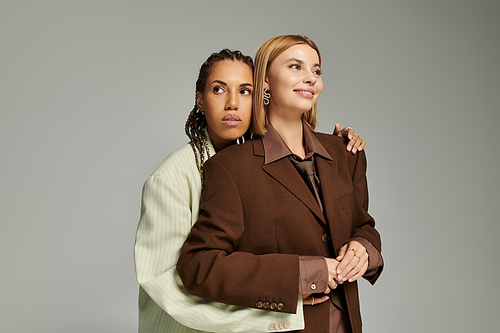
{"x":289,"y":219}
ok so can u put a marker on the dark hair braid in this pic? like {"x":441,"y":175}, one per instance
{"x":196,"y":121}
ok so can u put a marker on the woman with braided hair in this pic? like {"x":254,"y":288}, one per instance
{"x":170,"y":206}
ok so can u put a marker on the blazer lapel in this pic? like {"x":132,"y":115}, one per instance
{"x":285,"y":173}
{"x":328,"y":175}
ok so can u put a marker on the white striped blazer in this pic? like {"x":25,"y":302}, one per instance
{"x":170,"y":206}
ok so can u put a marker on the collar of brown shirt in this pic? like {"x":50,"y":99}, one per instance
{"x":275,"y":148}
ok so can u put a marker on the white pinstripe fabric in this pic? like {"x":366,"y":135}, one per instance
{"x":170,"y":206}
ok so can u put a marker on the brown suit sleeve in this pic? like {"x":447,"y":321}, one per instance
{"x":211,"y":266}
{"x":364,"y":225}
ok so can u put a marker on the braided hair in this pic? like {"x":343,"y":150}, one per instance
{"x":196,"y":121}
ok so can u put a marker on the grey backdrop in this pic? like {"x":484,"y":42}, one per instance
{"x":94,"y":95}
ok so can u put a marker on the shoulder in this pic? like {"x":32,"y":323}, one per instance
{"x":179,"y":164}
{"x":332,"y":142}
{"x":233,"y":155}
{"x":336,"y":147}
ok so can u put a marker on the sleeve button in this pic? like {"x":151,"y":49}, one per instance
{"x":258,"y":304}
{"x":313,"y":286}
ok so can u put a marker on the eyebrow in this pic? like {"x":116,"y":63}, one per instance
{"x":299,"y":61}
{"x":225,"y":84}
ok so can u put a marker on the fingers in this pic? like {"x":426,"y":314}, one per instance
{"x":353,"y":263}
{"x":337,"y":131}
{"x":358,"y":145}
{"x":313,"y":300}
{"x":332,"y":265}
{"x":359,"y":274}
{"x":347,"y":132}
{"x":332,"y":283}
{"x":342,"y":252}
{"x":355,"y":144}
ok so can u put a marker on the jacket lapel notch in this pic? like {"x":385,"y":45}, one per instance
{"x":285,"y":173}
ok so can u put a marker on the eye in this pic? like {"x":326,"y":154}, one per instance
{"x":295,"y":66}
{"x":246,"y":92}
{"x":317,"y":72}
{"x":218,"y":90}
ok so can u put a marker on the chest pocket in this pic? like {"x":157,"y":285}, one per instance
{"x":347,"y":201}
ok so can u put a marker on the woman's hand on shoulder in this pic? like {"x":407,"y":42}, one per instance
{"x":355,"y":143}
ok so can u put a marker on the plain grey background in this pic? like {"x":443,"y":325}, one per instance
{"x":95,"y":94}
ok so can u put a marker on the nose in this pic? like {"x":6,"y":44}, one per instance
{"x":310,"y":78}
{"x":232,"y":101}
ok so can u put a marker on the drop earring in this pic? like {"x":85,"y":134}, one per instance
{"x":267,"y":96}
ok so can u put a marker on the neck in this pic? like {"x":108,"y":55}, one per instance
{"x":291,"y":132}
{"x":218,"y":142}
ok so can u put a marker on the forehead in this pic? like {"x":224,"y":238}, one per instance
{"x":231,"y":71}
{"x":300,"y":52}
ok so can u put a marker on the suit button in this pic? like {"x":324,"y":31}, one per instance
{"x":272,"y":326}
{"x":313,"y":286}
{"x":273,"y":306}
{"x":280,"y":306}
{"x":258,"y":304}
{"x":288,"y":324}
{"x":265,"y":305}
{"x":325,"y":238}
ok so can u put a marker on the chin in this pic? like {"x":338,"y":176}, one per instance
{"x":233,"y":136}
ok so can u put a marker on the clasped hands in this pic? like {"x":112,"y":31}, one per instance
{"x":350,"y":264}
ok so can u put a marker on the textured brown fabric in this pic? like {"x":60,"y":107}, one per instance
{"x":258,"y":217}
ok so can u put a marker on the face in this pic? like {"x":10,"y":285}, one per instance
{"x":294,"y":81}
{"x":227,"y":102}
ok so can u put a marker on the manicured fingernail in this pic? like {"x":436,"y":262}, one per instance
{"x":344,"y":279}
{"x":351,"y":279}
{"x":349,"y":148}
{"x":354,"y":150}
{"x":339,"y":271}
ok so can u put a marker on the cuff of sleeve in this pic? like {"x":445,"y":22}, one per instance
{"x":313,"y":273}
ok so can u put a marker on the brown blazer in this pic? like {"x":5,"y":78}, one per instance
{"x":256,"y":219}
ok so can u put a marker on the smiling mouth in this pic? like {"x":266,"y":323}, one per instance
{"x":304,"y":92}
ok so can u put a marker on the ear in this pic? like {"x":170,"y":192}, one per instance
{"x":266,"y":83}
{"x":199,"y":100}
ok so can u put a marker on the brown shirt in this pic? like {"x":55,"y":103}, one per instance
{"x":314,"y":270}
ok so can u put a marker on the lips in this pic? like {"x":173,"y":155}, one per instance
{"x":231,"y":120}
{"x":306,"y":92}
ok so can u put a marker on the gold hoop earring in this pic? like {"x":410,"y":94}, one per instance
{"x":267,"y":96}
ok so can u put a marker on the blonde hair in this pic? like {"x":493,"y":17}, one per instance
{"x":266,"y":54}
